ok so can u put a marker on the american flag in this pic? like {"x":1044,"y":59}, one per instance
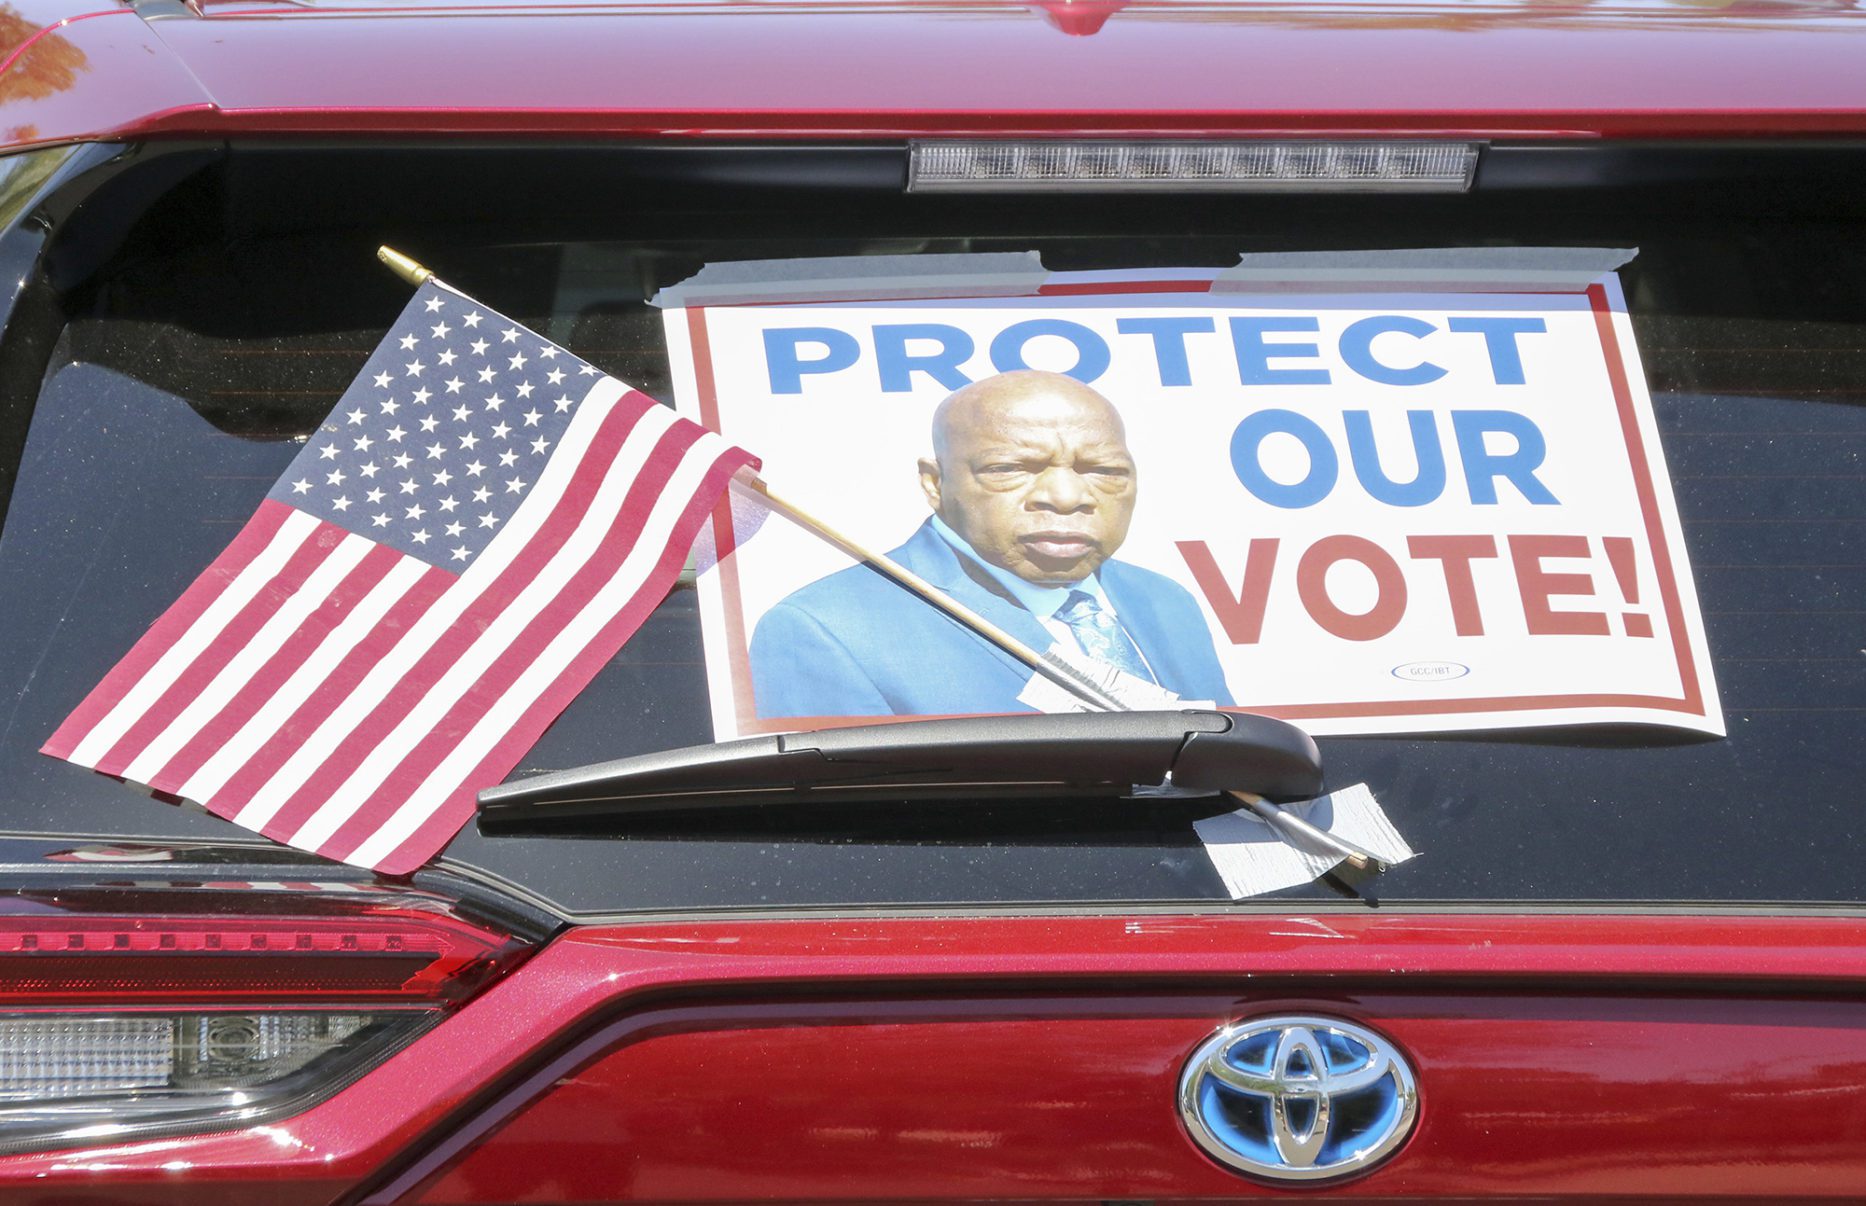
{"x":477,"y":527}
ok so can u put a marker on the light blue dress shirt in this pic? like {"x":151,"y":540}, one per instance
{"x":1040,"y":601}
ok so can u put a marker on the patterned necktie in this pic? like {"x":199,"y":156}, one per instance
{"x":1099,"y":635}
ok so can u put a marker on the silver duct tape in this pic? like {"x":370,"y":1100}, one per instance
{"x":857,"y":278}
{"x":1441,"y":269}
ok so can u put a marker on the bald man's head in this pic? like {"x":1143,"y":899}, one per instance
{"x":1032,"y":469}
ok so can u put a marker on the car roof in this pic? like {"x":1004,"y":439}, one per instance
{"x":82,"y":69}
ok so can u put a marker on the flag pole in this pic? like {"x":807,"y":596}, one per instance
{"x":1298,"y":832}
{"x":1050,"y":667}
{"x":1287,"y":825}
{"x":415,"y":274}
{"x":1053,"y":668}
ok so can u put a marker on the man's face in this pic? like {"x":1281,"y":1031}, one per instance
{"x":1035,"y":476}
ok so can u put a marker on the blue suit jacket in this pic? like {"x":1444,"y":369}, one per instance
{"x":857,"y":644}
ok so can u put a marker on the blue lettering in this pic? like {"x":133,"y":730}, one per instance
{"x":1169,"y":343}
{"x":787,"y":367}
{"x":1357,"y":349}
{"x":897,"y":366}
{"x":1324,"y":467}
{"x":1506,"y":363}
{"x":1427,"y":484}
{"x":1482,"y":467}
{"x":1254,"y":355}
{"x":1007,"y":350}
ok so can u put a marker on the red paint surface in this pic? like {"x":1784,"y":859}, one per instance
{"x":1073,"y":1098}
{"x":1027,"y":1057}
{"x":1559,"y":1054}
{"x":1165,"y":67}
{"x":76,"y":68}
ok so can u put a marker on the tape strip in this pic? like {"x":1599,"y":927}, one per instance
{"x":1428,"y":269}
{"x":1022,"y":274}
{"x":858,"y":278}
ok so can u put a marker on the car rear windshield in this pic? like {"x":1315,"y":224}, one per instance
{"x":190,"y":365}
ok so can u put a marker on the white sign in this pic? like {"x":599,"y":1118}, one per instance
{"x":1362,"y":512}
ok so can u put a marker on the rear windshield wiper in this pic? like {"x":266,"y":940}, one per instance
{"x":992,"y":758}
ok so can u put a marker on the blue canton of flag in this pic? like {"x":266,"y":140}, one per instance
{"x":434,"y":445}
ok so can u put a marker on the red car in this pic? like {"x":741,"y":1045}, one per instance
{"x":1626,"y":965}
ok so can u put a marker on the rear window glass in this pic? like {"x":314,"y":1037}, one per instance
{"x":183,"y":385}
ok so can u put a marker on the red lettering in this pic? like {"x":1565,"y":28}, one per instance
{"x":1454,"y":555}
{"x":1537,"y":585}
{"x":1312,"y":585}
{"x":1242,"y":614}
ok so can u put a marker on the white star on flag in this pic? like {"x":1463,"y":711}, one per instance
{"x":341,"y":680}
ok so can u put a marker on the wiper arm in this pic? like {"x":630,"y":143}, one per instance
{"x":982,"y":758}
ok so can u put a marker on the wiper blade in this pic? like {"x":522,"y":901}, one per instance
{"x":988,"y":758}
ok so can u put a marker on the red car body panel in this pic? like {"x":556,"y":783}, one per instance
{"x":1036,"y":1057}
{"x":981,"y":67}
{"x":74,"y":71}
{"x":1029,"y":1057}
{"x":1067,"y":1098}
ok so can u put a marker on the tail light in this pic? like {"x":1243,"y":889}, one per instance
{"x":125,"y":1012}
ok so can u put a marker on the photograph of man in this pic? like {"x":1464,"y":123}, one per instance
{"x":1032,"y":489}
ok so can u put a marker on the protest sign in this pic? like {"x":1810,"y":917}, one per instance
{"x":1413,"y":509}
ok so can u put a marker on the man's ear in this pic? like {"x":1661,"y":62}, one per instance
{"x":929,"y":481}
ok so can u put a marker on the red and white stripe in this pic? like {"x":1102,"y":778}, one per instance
{"x":345,"y":698}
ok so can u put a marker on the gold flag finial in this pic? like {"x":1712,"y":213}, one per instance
{"x":404,"y":267}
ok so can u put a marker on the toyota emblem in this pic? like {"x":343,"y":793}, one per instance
{"x":1298,"y":1098}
